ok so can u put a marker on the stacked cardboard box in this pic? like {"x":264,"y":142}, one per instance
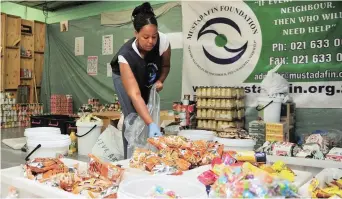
{"x":277,"y":132}
{"x":257,"y":131}
{"x":61,"y":104}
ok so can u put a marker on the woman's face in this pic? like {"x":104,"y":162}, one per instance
{"x":147,"y":37}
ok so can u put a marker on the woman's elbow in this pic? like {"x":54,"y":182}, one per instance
{"x":134,"y":95}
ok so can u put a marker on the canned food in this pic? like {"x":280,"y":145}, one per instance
{"x":217,"y":103}
{"x":223,"y":103}
{"x":209,"y":103}
{"x":204,"y":113}
{"x":204,"y":103}
{"x":230,"y":103}
{"x":218,"y":91}
{"x":229,"y":92}
{"x":209,"y":92}
{"x":205,"y":124}
{"x":214,"y":124}
{"x":213,"y":113}
{"x":199,"y":91}
{"x":234,"y":90}
{"x":200,"y":124}
{"x":213,"y":92}
{"x":204,"y":91}
{"x":223,"y":92}
{"x":199,"y":103}
{"x":219,"y":125}
{"x":210,"y":124}
{"x":230,"y":115}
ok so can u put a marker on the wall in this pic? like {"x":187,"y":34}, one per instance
{"x":71,"y":13}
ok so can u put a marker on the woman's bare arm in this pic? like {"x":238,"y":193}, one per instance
{"x":131,"y":86}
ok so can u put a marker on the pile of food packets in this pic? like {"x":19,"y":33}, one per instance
{"x":331,"y":189}
{"x":229,"y":178}
{"x":175,"y":155}
{"x":98,"y":180}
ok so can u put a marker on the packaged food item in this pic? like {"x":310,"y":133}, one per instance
{"x":249,"y":156}
{"x":218,"y":92}
{"x":229,"y":92}
{"x":335,"y":154}
{"x":207,"y":177}
{"x":283,"y":149}
{"x":199,"y":91}
{"x":223,"y":92}
{"x":204,"y":92}
{"x":209,"y":92}
{"x":99,"y":169}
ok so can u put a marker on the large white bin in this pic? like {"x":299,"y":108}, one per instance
{"x":41,"y":131}
{"x":183,"y":186}
{"x":236,"y":144}
{"x":269,"y":109}
{"x":87,"y":135}
{"x":47,"y":146}
{"x":197,"y":135}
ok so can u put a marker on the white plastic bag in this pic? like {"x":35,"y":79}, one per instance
{"x":109,"y":145}
{"x":274,"y":84}
{"x":136,"y":131}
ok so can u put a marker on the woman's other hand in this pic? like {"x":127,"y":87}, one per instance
{"x":159,"y":85}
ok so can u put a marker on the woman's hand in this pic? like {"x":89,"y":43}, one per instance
{"x":159,"y":85}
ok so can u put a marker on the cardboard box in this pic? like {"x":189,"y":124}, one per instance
{"x":107,"y":117}
{"x":277,"y":132}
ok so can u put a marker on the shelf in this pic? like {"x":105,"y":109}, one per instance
{"x":38,"y":52}
{"x":205,"y":118}
{"x":27,"y":34}
{"x":305,"y":162}
{"x":12,"y":47}
{"x":25,"y":57}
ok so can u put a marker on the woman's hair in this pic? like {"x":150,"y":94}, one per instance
{"x":143,"y":15}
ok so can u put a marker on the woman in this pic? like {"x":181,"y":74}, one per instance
{"x":140,"y":63}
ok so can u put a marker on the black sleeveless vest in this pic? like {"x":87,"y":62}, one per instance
{"x":146,"y":70}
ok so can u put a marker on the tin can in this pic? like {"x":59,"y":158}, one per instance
{"x":218,"y":91}
{"x":204,"y":91}
{"x":223,"y":92}
{"x":218,"y":103}
{"x":214,"y":125}
{"x":199,"y":124}
{"x":210,"y":124}
{"x":204,"y":102}
{"x":213,"y":91}
{"x":199,"y":113}
{"x":199,"y":103}
{"x":199,"y":91}
{"x":209,"y":104}
{"x":223,"y":103}
{"x":209,"y":92}
{"x":234,"y":91}
{"x":205,"y":124}
{"x":204,"y":113}
{"x":229,"y":92}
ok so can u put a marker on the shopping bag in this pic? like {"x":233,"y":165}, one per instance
{"x":109,"y":146}
{"x":136,"y":131}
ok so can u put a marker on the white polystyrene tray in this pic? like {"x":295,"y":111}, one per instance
{"x":326,"y":175}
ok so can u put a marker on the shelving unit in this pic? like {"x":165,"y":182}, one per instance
{"x":20,"y":37}
{"x":218,"y":107}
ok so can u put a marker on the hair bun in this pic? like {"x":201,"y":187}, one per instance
{"x":144,"y":8}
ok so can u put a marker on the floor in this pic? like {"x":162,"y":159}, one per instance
{"x":11,"y":157}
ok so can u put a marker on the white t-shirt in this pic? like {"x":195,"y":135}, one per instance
{"x":164,"y":44}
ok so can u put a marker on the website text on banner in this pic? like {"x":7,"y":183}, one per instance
{"x":236,"y":43}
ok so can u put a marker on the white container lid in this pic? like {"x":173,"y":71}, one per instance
{"x":41,"y":131}
{"x":51,"y":141}
{"x":99,"y":123}
{"x":197,"y":134}
{"x":235,"y":142}
{"x":269,"y":99}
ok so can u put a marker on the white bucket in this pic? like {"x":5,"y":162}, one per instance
{"x":87,"y":135}
{"x":236,"y":144}
{"x":183,"y":186}
{"x":269,"y":109}
{"x":50,"y":146}
{"x":197,"y":135}
{"x":41,"y":131}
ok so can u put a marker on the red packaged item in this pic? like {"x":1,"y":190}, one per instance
{"x":207,"y":178}
{"x":227,"y":159}
{"x":216,"y":160}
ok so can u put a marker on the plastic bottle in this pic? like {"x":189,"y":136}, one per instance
{"x":73,"y":145}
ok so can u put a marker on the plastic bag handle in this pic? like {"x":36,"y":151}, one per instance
{"x":260,"y":109}
{"x":86,"y":132}
{"x":35,"y":149}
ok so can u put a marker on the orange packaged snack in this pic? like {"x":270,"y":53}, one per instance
{"x":98,"y":168}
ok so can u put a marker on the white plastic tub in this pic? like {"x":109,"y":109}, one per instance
{"x":87,"y":135}
{"x":236,"y":144}
{"x":269,"y":109}
{"x":325,"y":176}
{"x":41,"y":131}
{"x":197,"y":135}
{"x":50,"y":146}
{"x":182,"y":186}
